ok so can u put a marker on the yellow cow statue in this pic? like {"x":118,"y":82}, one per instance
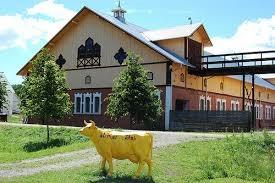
{"x":135,"y":146}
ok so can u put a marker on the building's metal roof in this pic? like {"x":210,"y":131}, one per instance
{"x":258,"y":81}
{"x":172,"y":33}
{"x":136,"y":33}
{"x":136,"y":27}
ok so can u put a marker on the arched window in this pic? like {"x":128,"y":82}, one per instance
{"x":205,"y":82}
{"x":89,"y":54}
{"x":89,"y":47}
{"x":150,"y":76}
{"x":182,"y":78}
{"x":97,"y":50}
{"x":221,"y":86}
{"x":81,"y":52}
{"x":88,"y":80}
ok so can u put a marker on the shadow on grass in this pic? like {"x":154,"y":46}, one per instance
{"x":119,"y":178}
{"x":37,"y":146}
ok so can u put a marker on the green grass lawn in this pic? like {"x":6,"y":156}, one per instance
{"x":22,"y":142}
{"x":234,"y":159}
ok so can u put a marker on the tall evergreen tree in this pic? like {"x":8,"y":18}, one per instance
{"x":17,"y":89}
{"x":3,"y":93}
{"x":134,"y":95}
{"x":44,"y":93}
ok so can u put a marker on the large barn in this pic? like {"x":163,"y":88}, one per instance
{"x":92,"y":43}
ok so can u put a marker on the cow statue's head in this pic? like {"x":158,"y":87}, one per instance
{"x":89,"y":129}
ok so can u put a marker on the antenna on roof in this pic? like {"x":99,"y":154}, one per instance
{"x":190,"y":19}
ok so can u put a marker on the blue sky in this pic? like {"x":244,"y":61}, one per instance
{"x":232,"y":25}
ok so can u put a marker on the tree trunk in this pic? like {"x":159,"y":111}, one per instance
{"x":48,"y":134}
{"x":45,"y":122}
{"x":131,"y":121}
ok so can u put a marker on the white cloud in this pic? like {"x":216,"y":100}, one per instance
{"x":250,"y":36}
{"x":51,"y":9}
{"x":20,"y":30}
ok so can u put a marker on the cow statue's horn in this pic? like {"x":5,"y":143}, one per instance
{"x":91,"y":121}
{"x":85,"y":122}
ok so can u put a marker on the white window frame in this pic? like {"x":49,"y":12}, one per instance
{"x":268,"y":112}
{"x":83,"y":104}
{"x":223,"y":101}
{"x":95,"y":95}
{"x":202,"y":98}
{"x":208,"y":99}
{"x":235,"y":104}
{"x":248,"y":107}
{"x":78,"y":95}
{"x":88,"y":95}
{"x":257,"y":110}
{"x":217,"y":104}
{"x":261,"y":111}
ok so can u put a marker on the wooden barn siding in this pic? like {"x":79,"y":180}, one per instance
{"x":104,"y":77}
{"x":194,"y":95}
{"x":110,"y":39}
{"x":231,"y":86}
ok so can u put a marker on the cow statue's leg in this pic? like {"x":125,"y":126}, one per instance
{"x":149,"y":163}
{"x":102,"y":163}
{"x":140,"y":167}
{"x":110,"y":162}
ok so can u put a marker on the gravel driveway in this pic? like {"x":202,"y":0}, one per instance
{"x":83,"y":157}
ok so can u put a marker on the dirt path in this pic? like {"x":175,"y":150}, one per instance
{"x":83,"y":157}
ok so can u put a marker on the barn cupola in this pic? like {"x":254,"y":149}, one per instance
{"x":119,"y":13}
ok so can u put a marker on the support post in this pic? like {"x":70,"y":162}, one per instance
{"x":168,"y":106}
{"x":243,"y":92}
{"x":168,"y":94}
{"x":253,"y":102}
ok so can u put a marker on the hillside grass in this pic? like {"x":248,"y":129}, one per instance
{"x":24,"y":142}
{"x":237,"y":159}
{"x":15,"y":118}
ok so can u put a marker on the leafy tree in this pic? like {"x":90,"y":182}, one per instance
{"x":134,"y":95}
{"x":44,"y":93}
{"x":17,"y":89}
{"x":3,"y":93}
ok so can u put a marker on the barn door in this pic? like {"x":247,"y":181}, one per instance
{"x":194,"y":52}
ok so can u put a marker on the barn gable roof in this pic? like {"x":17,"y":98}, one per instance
{"x":178,"y":32}
{"x":131,"y":29}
